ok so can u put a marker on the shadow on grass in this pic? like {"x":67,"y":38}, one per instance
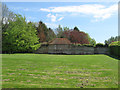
{"x":115,"y":57}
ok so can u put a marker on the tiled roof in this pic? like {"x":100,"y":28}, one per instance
{"x":60,"y":41}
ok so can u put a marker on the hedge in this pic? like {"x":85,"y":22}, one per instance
{"x":115,"y":50}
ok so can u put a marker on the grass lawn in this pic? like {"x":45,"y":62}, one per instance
{"x":59,"y":71}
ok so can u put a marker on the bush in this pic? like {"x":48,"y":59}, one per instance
{"x":116,"y":43}
{"x":100,"y":45}
{"x":115,"y":48}
{"x":115,"y":51}
{"x":79,"y":45}
{"x":88,"y":45}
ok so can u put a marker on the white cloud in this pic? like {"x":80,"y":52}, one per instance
{"x":53,"y":17}
{"x":60,"y":18}
{"x":96,"y":10}
{"x":43,"y":9}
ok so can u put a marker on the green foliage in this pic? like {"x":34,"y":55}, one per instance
{"x":116,"y":43}
{"x":50,"y":35}
{"x":91,"y":41}
{"x":42,"y":31}
{"x":76,"y":28}
{"x":59,"y":31}
{"x":79,"y":44}
{"x":45,"y":34}
{"x":66,"y":28}
{"x":115,"y":48}
{"x":112,"y":39}
{"x":115,"y":51}
{"x":20,"y":36}
{"x":99,"y":45}
{"x":87,"y":45}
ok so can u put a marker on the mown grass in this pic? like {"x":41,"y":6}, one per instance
{"x":59,"y":71}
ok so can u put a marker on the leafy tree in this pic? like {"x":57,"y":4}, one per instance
{"x":91,"y":40}
{"x":50,"y":35}
{"x":6,"y":14}
{"x":116,"y":43}
{"x":44,"y":33}
{"x":20,"y":36}
{"x":99,"y":45}
{"x":59,"y":31}
{"x":76,"y":36}
{"x":66,"y":28}
{"x":112,"y":39}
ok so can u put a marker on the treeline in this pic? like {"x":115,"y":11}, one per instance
{"x":45,"y":34}
{"x":114,"y":46}
{"x":112,"y":40}
{"x":75,"y":35}
{"x":18,"y":35}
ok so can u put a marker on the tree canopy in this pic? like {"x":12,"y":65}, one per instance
{"x":20,"y":36}
{"x":76,"y":36}
{"x":45,"y":34}
{"x":112,"y":39}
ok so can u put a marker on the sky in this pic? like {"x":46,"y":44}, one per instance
{"x":98,"y":19}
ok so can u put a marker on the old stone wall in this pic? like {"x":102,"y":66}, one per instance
{"x":42,"y":50}
{"x":70,"y":49}
{"x":101,"y":50}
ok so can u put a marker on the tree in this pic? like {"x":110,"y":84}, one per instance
{"x":66,"y":28}
{"x":76,"y":36}
{"x":45,"y":34}
{"x":91,"y":40}
{"x":42,"y":31}
{"x":116,"y":43}
{"x":50,"y":35}
{"x":20,"y":36}
{"x":76,"y":28}
{"x":59,"y":31}
{"x":6,"y":14}
{"x":112,"y":39}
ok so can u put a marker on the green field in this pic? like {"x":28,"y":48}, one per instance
{"x":59,"y":71}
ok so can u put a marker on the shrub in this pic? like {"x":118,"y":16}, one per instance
{"x":88,"y":45}
{"x":79,"y":45}
{"x":116,"y":43}
{"x":100,"y":45}
{"x":115,"y":50}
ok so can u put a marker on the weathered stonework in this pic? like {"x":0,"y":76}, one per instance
{"x":70,"y":49}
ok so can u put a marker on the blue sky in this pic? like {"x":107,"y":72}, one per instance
{"x":98,"y":19}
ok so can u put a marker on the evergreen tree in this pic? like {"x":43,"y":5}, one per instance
{"x":59,"y":31}
{"x":76,"y":28}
